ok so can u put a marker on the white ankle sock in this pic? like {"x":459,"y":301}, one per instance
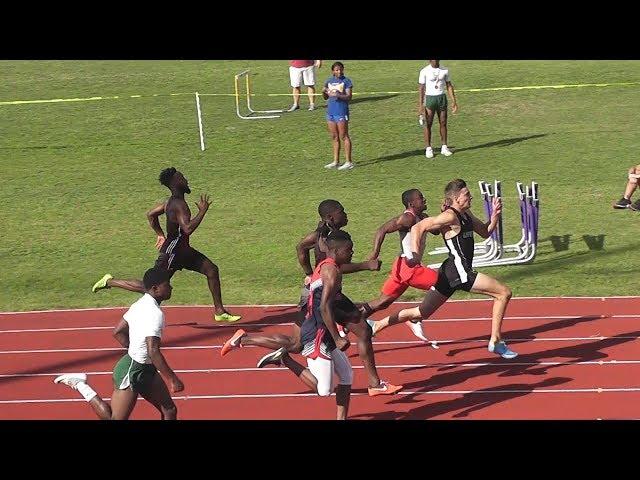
{"x":86,"y":391}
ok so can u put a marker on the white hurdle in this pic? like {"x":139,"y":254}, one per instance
{"x":251,"y":116}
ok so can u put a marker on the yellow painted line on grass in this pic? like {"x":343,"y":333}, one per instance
{"x":540,"y":87}
{"x":464,"y":90}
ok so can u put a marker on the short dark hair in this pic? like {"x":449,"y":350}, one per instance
{"x":328,"y":206}
{"x":336,"y":237}
{"x":337,"y":64}
{"x":155,"y":276}
{"x":453,"y":187}
{"x":406,"y":196}
{"x":166,"y":175}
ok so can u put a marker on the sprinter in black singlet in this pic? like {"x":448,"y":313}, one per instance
{"x":458,"y":224}
{"x":175,"y":251}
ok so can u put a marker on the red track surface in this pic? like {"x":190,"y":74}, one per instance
{"x":569,"y":348}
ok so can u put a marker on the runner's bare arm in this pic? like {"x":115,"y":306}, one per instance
{"x":485,"y":229}
{"x":121,"y":333}
{"x":158,"y":360}
{"x":396,"y":223}
{"x":419,"y":230}
{"x":188,"y":225}
{"x":152,"y":217}
{"x":154,"y":221}
{"x":303,"y":248}
{"x":372,"y":264}
{"x":331,"y":277}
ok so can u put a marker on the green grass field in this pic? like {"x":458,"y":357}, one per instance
{"x":79,"y":176}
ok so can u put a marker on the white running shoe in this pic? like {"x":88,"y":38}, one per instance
{"x":312,"y":107}
{"x":71,"y":379}
{"x":416,"y":329}
{"x":445,"y":151}
{"x":346,"y":166}
{"x":331,"y":165}
{"x":428,"y":152}
{"x":293,"y":108}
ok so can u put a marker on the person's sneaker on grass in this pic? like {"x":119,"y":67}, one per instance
{"x":233,"y":342}
{"x":102,"y":283}
{"x":635,"y":206}
{"x":428,"y":152}
{"x":346,"y":166}
{"x":331,"y":165}
{"x":622,"y":203}
{"x":445,"y":151}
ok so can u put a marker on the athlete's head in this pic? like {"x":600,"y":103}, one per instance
{"x":174,"y":180}
{"x":414,"y":200}
{"x":339,"y":246}
{"x":435,"y":63}
{"x":337,"y":69}
{"x":157,"y":283}
{"x":332,"y":213}
{"x":457,"y":194}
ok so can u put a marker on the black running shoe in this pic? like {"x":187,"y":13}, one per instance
{"x":273,"y":358}
{"x":622,"y":203}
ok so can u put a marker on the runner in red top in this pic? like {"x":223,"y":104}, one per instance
{"x":403,"y":276}
{"x":333,"y":218}
{"x":322,"y":344}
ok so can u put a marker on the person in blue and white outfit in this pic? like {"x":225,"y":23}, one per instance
{"x":338,"y":90}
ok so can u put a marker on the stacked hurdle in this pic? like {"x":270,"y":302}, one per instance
{"x":493,"y":251}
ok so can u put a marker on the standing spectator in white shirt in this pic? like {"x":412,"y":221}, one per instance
{"x":432,"y":99}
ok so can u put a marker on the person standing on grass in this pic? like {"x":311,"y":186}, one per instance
{"x":299,"y":71}
{"x":136,"y":373}
{"x":175,"y":251}
{"x":431,"y":100}
{"x":338,"y":90}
